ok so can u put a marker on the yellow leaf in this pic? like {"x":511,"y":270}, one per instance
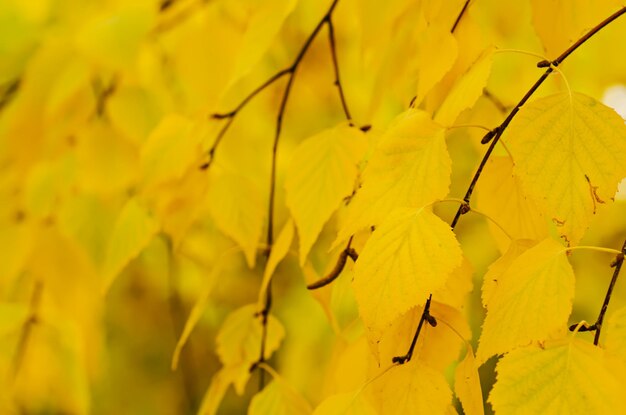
{"x":436,"y":346}
{"x":437,"y":53}
{"x":409,"y":256}
{"x":113,"y":39}
{"x":53,"y":372}
{"x":278,"y":398}
{"x":467,"y":385}
{"x":533,"y":298}
{"x":239,"y":340}
{"x":106,"y":161}
{"x":569,"y":153}
{"x":500,"y":266}
{"x":615,"y":341}
{"x":345,"y":404}
{"x":238,"y":209}
{"x":216,"y":391}
{"x":321,"y":174}
{"x":466,"y":90}
{"x":412,"y":388}
{"x":279,"y":251}
{"x":169,"y":151}
{"x":133,"y":230}
{"x":262,"y":25}
{"x":560,"y":23}
{"x":410,"y":168}
{"x":500,"y":195}
{"x":567,"y":376}
{"x":133,"y":112}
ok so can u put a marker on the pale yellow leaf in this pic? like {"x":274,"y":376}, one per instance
{"x":262,"y":25}
{"x":566,"y":376}
{"x":437,"y":346}
{"x":169,"y":151}
{"x":411,"y":388}
{"x":532,"y":299}
{"x":466,"y":90}
{"x":216,"y":390}
{"x":437,"y":52}
{"x":467,"y":385}
{"x":409,"y":256}
{"x":560,"y":23}
{"x":238,"y":209}
{"x":279,"y":398}
{"x":321,"y":174}
{"x":500,"y":266}
{"x":500,"y":195}
{"x":569,"y":153}
{"x":352,"y":403}
{"x":279,"y":250}
{"x":113,"y":39}
{"x":133,"y":230}
{"x":409,"y":168}
{"x":239,"y":340}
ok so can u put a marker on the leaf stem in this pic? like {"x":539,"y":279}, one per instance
{"x":594,"y":248}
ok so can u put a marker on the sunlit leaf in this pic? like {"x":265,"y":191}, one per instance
{"x":569,"y":153}
{"x":567,"y":376}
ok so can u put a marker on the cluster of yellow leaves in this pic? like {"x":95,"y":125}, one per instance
{"x":107,"y":169}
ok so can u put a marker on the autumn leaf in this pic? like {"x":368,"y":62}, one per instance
{"x":321,"y":174}
{"x":409,"y":256}
{"x":568,"y":152}
{"x":562,"y":376}
{"x":534,"y":295}
{"x":410,"y":168}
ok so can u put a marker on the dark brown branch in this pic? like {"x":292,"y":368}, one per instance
{"x":348,"y":252}
{"x":425,"y":317}
{"x":597,"y":326}
{"x":333,"y":52}
{"x":8,"y":92}
{"x":502,"y":127}
{"x":291,"y":72}
{"x":496,"y":137}
{"x":458,"y":18}
{"x":27,"y":328}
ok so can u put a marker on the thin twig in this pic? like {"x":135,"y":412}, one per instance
{"x":496,"y":137}
{"x":333,"y":52}
{"x":425,"y":316}
{"x":607,"y":298}
{"x":458,"y":18}
{"x":291,"y":72}
{"x":502,"y":127}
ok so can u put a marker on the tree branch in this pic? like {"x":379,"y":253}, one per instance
{"x":333,"y":52}
{"x":496,"y":133}
{"x":291,"y":72}
{"x":458,"y":18}
{"x":597,"y":326}
{"x":499,"y":130}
